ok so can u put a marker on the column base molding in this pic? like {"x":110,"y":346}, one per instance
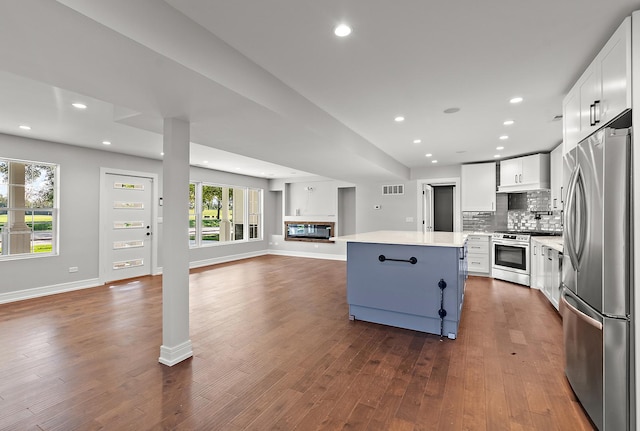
{"x":172,"y":355}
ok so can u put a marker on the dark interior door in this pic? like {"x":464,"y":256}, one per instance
{"x":443,"y":208}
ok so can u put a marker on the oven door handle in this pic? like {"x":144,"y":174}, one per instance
{"x":512,"y":243}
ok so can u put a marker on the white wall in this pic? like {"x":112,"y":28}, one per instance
{"x":79,"y":195}
{"x":396,"y":212}
{"x":452,"y":171}
{"x":310,"y":199}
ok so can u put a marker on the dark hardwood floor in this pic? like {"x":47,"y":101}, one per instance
{"x":274,"y":349}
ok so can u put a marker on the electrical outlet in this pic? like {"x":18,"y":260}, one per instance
{"x":73,"y":269}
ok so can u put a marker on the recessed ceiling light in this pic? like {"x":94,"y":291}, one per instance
{"x":434,"y":161}
{"x":496,"y":156}
{"x":24,"y":127}
{"x":516,"y":100}
{"x":503,"y":137}
{"x":262,"y":173}
{"x":451,"y":110}
{"x":79,"y":105}
{"x":428,"y":155}
{"x":205,"y":161}
{"x":399,"y":119}
{"x":417,"y":141}
{"x":508,"y":122}
{"x":162,"y":154}
{"x":237,"y":169}
{"x":342,"y":30}
{"x":106,"y":142}
{"x":499,"y":148}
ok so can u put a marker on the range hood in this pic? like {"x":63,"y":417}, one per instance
{"x":525,"y":174}
{"x":523,"y":188}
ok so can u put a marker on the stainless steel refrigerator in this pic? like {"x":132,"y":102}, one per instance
{"x":596,"y":295}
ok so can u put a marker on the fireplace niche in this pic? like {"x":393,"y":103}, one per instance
{"x":309,"y":231}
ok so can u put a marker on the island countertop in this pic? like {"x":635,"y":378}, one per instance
{"x":438,"y":239}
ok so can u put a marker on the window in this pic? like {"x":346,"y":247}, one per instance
{"x":255,"y":213}
{"x":222,"y":214}
{"x":28,"y":208}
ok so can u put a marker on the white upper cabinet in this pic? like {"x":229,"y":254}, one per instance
{"x":524,"y":173}
{"x":614,"y":67}
{"x":602,"y":92}
{"x":557,"y":197}
{"x":478,"y":183}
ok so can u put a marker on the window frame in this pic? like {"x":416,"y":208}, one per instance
{"x":54,"y":210}
{"x":198,"y":216}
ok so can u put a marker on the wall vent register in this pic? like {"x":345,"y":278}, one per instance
{"x":397,"y":189}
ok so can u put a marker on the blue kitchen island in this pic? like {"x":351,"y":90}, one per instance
{"x":410,"y":280}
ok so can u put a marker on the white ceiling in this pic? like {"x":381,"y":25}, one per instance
{"x":269,"y":89}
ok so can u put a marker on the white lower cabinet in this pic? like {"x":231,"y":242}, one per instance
{"x":546,"y":271}
{"x":479,"y":254}
{"x":553,"y":276}
{"x":537,"y":265}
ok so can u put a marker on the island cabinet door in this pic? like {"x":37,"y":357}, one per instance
{"x":391,"y":290}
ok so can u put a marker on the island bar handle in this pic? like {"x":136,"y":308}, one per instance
{"x":412,"y":260}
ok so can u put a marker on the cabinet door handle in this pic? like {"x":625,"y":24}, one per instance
{"x":516,"y":180}
{"x":555,"y":202}
{"x":491,"y":206}
{"x":592,"y":114}
{"x":596,"y":112}
{"x":520,"y":178}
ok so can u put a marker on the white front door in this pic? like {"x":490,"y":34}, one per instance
{"x":427,"y":208}
{"x":127,"y":226}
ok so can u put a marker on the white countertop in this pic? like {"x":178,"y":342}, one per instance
{"x":438,"y":239}
{"x":554,"y":242}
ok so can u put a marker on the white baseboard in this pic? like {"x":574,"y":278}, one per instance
{"x":224,"y":259}
{"x":94,"y":282}
{"x":37,"y":292}
{"x":172,"y":355}
{"x":308,"y":254}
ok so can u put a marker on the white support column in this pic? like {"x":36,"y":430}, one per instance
{"x":176,"y":345}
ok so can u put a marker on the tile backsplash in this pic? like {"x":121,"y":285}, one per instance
{"x":523,"y":220}
{"x":517,"y":211}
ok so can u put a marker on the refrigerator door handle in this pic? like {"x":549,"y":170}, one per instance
{"x":569,"y":220}
{"x":583,"y":213}
{"x":582,"y":316}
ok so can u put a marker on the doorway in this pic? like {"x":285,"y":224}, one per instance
{"x":443,"y":208}
{"x":439,"y":205}
{"x":127,"y":225}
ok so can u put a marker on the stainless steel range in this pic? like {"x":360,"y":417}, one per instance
{"x":510,"y":257}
